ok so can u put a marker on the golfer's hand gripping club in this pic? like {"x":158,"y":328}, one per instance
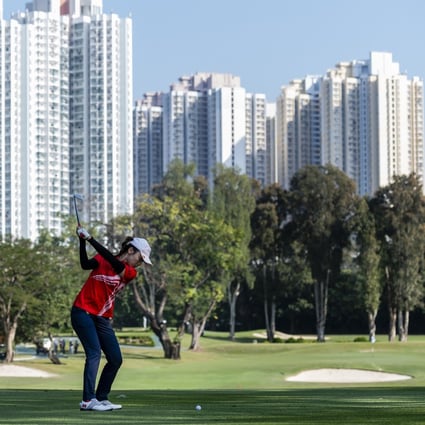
{"x":83,"y":233}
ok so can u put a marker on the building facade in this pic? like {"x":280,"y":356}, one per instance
{"x":298,"y":128}
{"x":207,"y":119}
{"x":363,"y":117}
{"x":148,"y":146}
{"x":101,"y":112}
{"x":66,"y":121}
{"x":34,"y":179}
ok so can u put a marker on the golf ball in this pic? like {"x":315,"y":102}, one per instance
{"x":198,"y":407}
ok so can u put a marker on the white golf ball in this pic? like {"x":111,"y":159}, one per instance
{"x":198,"y":407}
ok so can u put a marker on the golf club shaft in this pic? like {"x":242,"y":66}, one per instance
{"x":76,"y":212}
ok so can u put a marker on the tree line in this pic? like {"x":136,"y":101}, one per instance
{"x":238,"y":251}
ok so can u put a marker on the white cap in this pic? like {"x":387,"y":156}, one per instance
{"x":142,"y":245}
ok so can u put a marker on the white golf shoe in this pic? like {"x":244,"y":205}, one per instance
{"x":112,"y":406}
{"x":95,"y":404}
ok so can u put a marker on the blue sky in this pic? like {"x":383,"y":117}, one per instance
{"x":266,"y":43}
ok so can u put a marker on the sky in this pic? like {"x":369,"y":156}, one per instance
{"x":267,"y":43}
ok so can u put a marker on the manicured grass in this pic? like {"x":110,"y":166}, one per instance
{"x":235,"y":382}
{"x":380,"y":406}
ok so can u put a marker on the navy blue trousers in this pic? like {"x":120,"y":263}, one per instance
{"x":96,"y":335}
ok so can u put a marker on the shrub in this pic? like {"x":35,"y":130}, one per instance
{"x":361,"y":339}
{"x":143,"y":340}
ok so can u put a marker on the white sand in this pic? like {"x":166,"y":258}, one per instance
{"x":9,"y":370}
{"x":344,"y":376}
{"x":283,"y":335}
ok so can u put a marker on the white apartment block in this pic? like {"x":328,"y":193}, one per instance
{"x":207,"y":119}
{"x":364,"y":117}
{"x":298,"y":128}
{"x":256,"y":138}
{"x":101,"y":112}
{"x":227,"y":122}
{"x":34,"y":179}
{"x":66,"y":115}
{"x":148,"y":147}
{"x":271,"y":145}
{"x":398,"y":142}
{"x":185,"y":128}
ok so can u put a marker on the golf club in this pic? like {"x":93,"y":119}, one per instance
{"x":76,"y":196}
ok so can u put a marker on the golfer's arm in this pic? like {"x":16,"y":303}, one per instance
{"x":85,"y":262}
{"x":116,"y":264}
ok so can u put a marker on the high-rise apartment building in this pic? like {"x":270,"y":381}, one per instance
{"x":364,"y":117}
{"x":66,"y":115}
{"x":101,"y":110}
{"x":271,"y":146}
{"x":207,"y":119}
{"x":298,"y":129}
{"x":34,"y":161}
{"x":185,"y":125}
{"x":256,"y":138}
{"x":228,"y":133}
{"x":148,"y":146}
{"x":397,"y":142}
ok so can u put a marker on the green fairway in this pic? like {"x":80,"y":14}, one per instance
{"x":238,"y":382}
{"x":308,"y":406}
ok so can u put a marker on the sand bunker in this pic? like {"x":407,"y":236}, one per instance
{"x":344,"y":376}
{"x":23,"y":372}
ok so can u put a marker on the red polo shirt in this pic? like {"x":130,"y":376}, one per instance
{"x":97,"y":296}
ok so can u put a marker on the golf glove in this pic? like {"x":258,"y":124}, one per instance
{"x":83,"y":233}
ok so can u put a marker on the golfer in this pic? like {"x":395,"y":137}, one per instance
{"x":93,"y":308}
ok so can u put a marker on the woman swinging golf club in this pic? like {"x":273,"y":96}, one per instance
{"x":93,"y":308}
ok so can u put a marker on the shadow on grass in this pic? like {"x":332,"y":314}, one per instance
{"x":377,"y":405}
{"x":246,"y":340}
{"x":137,"y":356}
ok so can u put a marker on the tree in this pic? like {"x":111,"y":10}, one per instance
{"x":151,"y":296}
{"x":367,"y":260}
{"x":63,"y":278}
{"x":264,"y":244}
{"x":193,"y":249}
{"x":24,"y":281}
{"x":399,"y":211}
{"x":295,"y":281}
{"x":322,"y":205}
{"x":233,"y":201}
{"x":279,"y":261}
